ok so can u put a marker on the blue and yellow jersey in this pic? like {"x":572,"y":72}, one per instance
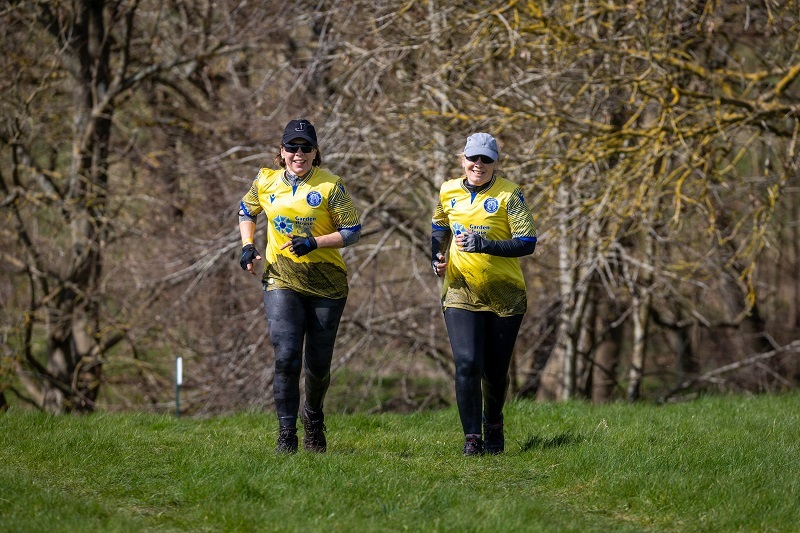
{"x":317,"y":205}
{"x":477,"y":281}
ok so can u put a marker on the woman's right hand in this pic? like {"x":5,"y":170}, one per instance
{"x":439,"y":265}
{"x":249,"y":255}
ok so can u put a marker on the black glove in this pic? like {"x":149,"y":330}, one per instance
{"x":301,"y":245}
{"x":249,"y":254}
{"x":474,"y":243}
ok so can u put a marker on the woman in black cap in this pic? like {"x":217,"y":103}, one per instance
{"x":483,"y":293}
{"x":309,"y":216}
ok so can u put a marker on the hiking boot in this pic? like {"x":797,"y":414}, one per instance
{"x":473,"y":446}
{"x":287,"y":440}
{"x":495,"y":439}
{"x":313,"y":423}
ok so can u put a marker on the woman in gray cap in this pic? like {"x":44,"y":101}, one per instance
{"x":483,"y":293}
{"x":309,"y":216}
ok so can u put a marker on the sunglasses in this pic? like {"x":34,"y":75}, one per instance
{"x":484,"y":159}
{"x":293,"y":148}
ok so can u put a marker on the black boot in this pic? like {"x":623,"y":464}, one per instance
{"x":287,"y":440}
{"x":313,"y":423}
{"x":495,"y":439}
{"x":473,"y":446}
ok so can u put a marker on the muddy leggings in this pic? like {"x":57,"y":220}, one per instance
{"x":293,"y":318}
{"x":482,"y":344}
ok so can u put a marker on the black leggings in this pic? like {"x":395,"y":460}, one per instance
{"x":293,"y":317}
{"x":482,"y":344}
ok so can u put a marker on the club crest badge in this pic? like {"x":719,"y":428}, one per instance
{"x":491,"y":205}
{"x":314,"y":198}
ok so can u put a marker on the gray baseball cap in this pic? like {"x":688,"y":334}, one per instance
{"x":481,"y":144}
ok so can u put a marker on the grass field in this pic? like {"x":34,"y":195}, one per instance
{"x":714,"y":464}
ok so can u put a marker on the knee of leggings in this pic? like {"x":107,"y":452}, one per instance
{"x":470,"y":371}
{"x":287,"y":366}
{"x":321,"y":376}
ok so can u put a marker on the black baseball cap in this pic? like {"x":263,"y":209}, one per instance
{"x":300,"y":129}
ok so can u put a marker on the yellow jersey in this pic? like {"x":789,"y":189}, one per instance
{"x":317,"y":205}
{"x":478,"y":281}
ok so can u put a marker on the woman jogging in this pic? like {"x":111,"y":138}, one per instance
{"x":309,"y":216}
{"x":483,"y":293}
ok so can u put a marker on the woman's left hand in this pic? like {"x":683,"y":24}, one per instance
{"x":470,"y":242}
{"x":300,"y":245}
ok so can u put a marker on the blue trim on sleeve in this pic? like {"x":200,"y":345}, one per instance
{"x":243,"y":209}
{"x":351,"y":228}
{"x":527,"y":239}
{"x":436,"y":227}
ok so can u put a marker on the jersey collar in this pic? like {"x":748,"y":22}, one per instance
{"x":294,"y":181}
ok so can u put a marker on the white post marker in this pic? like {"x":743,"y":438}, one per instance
{"x":178,"y":383}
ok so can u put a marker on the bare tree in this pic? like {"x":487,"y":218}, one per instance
{"x":655,"y":141}
{"x":69,"y":185}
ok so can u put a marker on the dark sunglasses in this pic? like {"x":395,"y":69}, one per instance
{"x":293,"y":148}
{"x":484,"y":159}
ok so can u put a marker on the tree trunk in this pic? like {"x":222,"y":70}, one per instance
{"x":558,"y":376}
{"x":641,"y":311}
{"x":73,"y":349}
{"x":586,"y":343}
{"x":795,"y":232}
{"x":641,"y":300}
{"x":687,"y":361}
{"x":606,"y":358}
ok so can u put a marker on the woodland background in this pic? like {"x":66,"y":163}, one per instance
{"x":655,"y":141}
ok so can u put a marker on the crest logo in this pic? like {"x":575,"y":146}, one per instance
{"x":452,"y":203}
{"x":314,"y":198}
{"x":271,"y":198}
{"x":283,"y":225}
{"x":491,"y":205}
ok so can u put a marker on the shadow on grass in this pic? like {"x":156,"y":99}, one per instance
{"x":563,"y":439}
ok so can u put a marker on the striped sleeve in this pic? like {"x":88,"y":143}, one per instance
{"x":520,"y":219}
{"x":250,"y":207}
{"x":343,"y":211}
{"x":440,"y":218}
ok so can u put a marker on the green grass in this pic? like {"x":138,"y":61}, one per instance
{"x":715,"y":464}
